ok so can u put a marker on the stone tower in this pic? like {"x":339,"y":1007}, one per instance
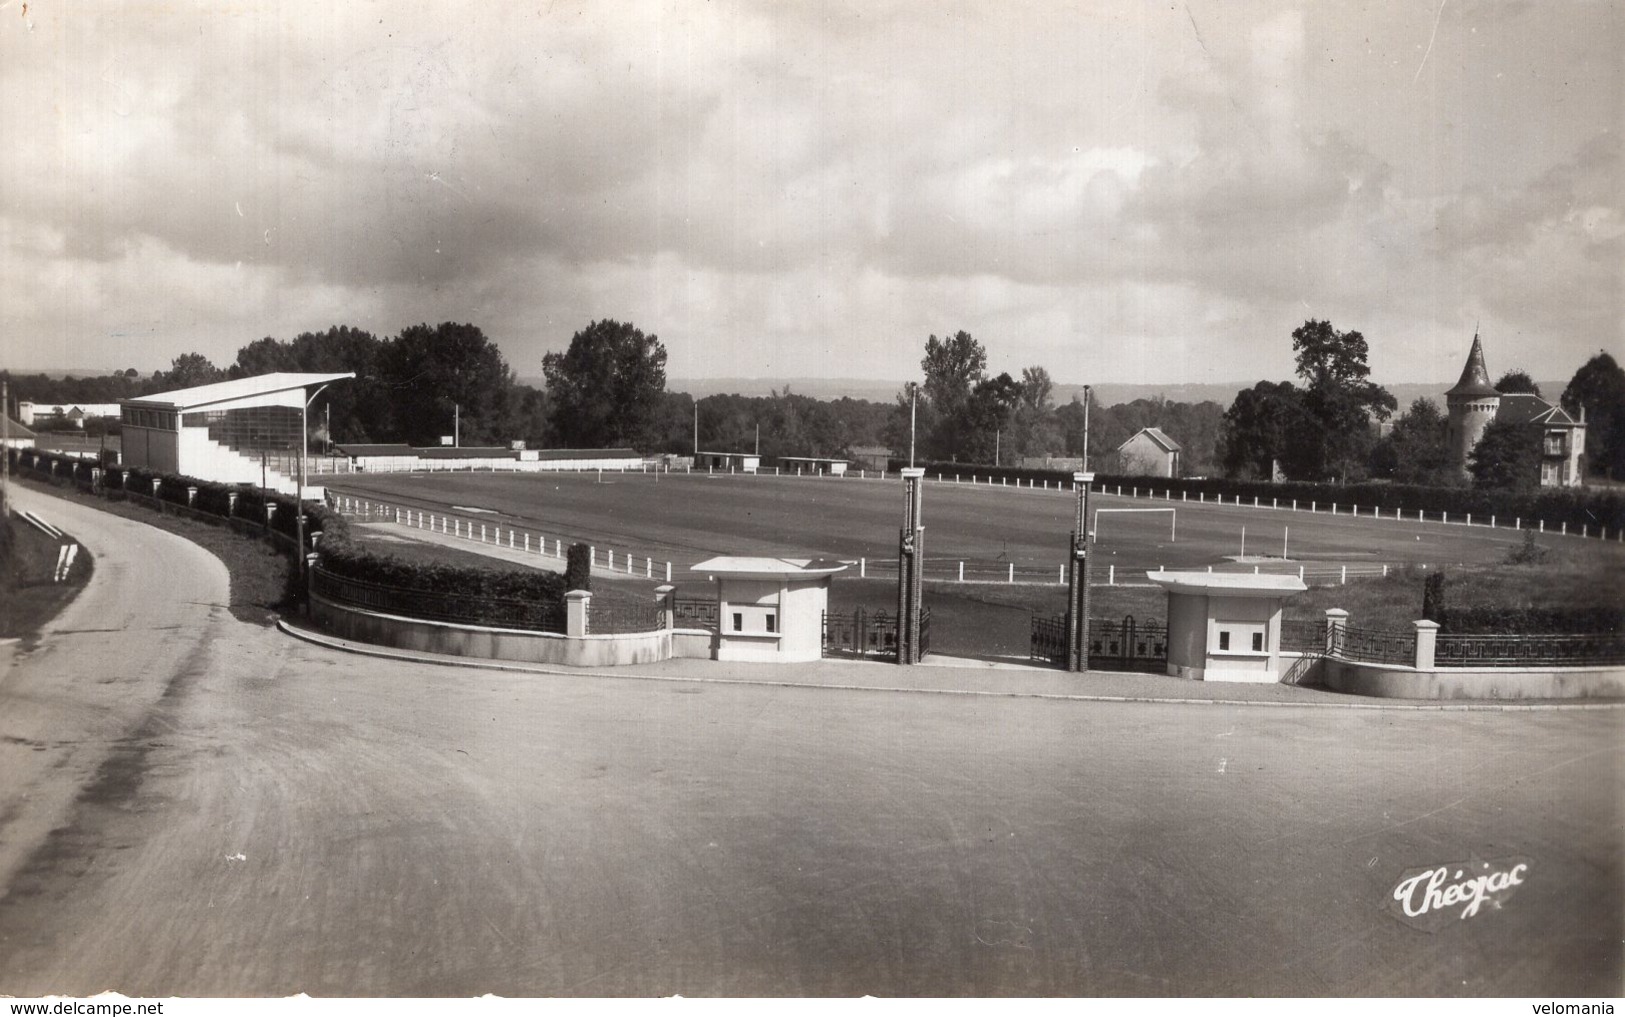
{"x":1473,"y":404}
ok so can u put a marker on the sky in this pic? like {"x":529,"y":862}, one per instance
{"x":1123,"y":192}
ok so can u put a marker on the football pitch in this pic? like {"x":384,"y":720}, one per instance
{"x":686,"y":518}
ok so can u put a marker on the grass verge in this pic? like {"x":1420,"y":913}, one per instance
{"x":30,"y":596}
{"x":260,"y":574}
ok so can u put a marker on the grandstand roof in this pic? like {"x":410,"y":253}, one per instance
{"x":230,"y":391}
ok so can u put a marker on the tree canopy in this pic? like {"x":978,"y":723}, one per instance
{"x":606,"y":388}
{"x":1340,"y":399}
{"x":1517,"y":381}
{"x":1507,"y":457}
{"x":1415,"y":451}
{"x":1598,"y":390}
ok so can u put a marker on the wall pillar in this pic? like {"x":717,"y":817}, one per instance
{"x":1427,"y":636}
{"x":1336,"y":620}
{"x":576,"y":606}
{"x":910,"y":565}
{"x":1077,"y":601}
{"x":191,"y":497}
{"x":667,"y":596}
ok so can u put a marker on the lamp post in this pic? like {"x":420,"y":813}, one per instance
{"x":299,"y":501}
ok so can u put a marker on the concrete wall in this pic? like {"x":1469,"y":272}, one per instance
{"x":150,"y":448}
{"x":506,"y":644}
{"x":1397,"y":682}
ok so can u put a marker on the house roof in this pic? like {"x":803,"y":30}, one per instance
{"x":1557,"y":416}
{"x":1475,"y":377}
{"x":1162,"y":441}
{"x":1233,"y":584}
{"x":768,"y":568}
{"x":1521,"y":407}
{"x":237,"y":388}
{"x":467,"y":452}
{"x":15,"y":429}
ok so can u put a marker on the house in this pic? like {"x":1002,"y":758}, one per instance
{"x":1150,"y":453}
{"x":871,"y":458}
{"x":1474,"y":403}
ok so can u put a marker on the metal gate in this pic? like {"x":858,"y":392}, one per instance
{"x":865,"y":633}
{"x":1128,"y":645}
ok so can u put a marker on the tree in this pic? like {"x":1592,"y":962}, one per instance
{"x":1415,"y":451}
{"x":1036,"y":387}
{"x":1598,"y":390}
{"x":451,"y":371}
{"x":189,"y":370}
{"x":952,"y":367}
{"x":987,"y":417}
{"x":1507,"y":457}
{"x":1517,"y":381}
{"x":1339,"y":397}
{"x":606,"y":388}
{"x":1264,"y":426}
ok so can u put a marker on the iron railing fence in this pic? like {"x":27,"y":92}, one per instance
{"x":1376,"y":646}
{"x":1529,"y":650}
{"x":620,"y":618}
{"x":1049,"y":639}
{"x":437,"y":605}
{"x":1303,"y":635}
{"x":695,"y":613}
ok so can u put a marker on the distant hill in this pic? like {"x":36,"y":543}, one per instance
{"x":1107,"y":394}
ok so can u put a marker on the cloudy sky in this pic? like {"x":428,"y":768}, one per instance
{"x":1119,"y":191}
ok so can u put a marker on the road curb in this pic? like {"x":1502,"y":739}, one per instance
{"x":386,"y":653}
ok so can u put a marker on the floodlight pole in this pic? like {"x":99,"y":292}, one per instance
{"x":910,"y":565}
{"x":1077,"y":594}
{"x":299,"y":501}
{"x":1086,"y":428}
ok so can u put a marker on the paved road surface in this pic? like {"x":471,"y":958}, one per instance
{"x":280,"y":818}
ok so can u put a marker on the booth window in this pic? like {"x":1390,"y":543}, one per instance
{"x":772,"y":623}
{"x":1224,"y":640}
{"x":739,"y":622}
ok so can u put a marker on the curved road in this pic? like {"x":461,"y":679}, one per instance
{"x":196,"y":806}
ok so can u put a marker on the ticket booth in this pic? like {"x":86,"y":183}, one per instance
{"x":1225,"y":627}
{"x":770,"y":609}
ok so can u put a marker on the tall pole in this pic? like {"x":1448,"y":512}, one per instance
{"x":913,"y":406}
{"x":696,"y":430}
{"x":995,"y":446}
{"x":910,"y":566}
{"x":5,"y":451}
{"x":1086,"y":428}
{"x":1077,"y":594}
{"x":299,"y":502}
{"x":758,"y":439}
{"x":456,"y":426}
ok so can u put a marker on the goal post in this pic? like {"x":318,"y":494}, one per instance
{"x":1173,"y":519}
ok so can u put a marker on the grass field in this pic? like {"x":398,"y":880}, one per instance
{"x":684,"y":519}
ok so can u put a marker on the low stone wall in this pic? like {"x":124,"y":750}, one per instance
{"x":1394,"y":681}
{"x":520,"y":645}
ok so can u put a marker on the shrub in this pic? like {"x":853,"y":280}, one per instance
{"x":1433,"y":596}
{"x":1530,"y":553}
{"x":578,"y":567}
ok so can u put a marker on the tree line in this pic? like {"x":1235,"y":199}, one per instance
{"x":1324,"y":430}
{"x":608,"y":389}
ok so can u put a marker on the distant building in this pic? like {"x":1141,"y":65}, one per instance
{"x":1474,"y":403}
{"x":74,"y":413}
{"x":1150,"y":453}
{"x":871,"y":458}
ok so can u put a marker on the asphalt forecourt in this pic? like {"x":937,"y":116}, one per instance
{"x":1000,"y":534}
{"x":259,"y":815}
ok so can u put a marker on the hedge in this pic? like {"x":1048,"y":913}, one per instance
{"x":1597,"y":509}
{"x":336,"y":550}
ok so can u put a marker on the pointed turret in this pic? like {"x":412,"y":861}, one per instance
{"x":1475,"y":377}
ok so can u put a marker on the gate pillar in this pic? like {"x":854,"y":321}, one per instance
{"x":910,"y":564}
{"x":1077,"y":581}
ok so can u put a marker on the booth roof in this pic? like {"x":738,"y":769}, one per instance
{"x":1233,"y":584}
{"x":238,"y":388}
{"x":768,"y":568}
